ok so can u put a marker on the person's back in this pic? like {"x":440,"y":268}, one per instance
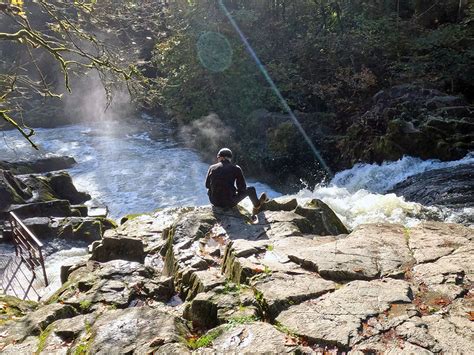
{"x":221,"y":183}
{"x":226,"y":184}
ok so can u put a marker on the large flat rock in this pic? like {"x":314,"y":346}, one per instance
{"x":430,"y":241}
{"x":135,"y":330}
{"x":450,"y":275}
{"x":369,"y":252}
{"x":336,"y":317}
{"x":278,"y":291}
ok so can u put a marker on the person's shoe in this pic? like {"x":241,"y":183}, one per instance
{"x":263,"y":198}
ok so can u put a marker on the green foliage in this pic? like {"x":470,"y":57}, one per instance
{"x":85,"y":305}
{"x":205,"y":340}
{"x":43,"y":337}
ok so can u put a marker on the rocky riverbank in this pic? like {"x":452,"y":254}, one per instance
{"x":294,"y":281}
{"x":47,"y":201}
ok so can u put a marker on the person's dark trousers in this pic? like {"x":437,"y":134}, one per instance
{"x":251,"y":193}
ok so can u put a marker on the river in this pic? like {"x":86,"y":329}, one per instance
{"x":131,"y":173}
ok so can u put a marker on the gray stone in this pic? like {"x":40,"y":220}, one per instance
{"x":323,"y":220}
{"x":454,"y":331}
{"x":135,"y":330}
{"x":279,"y":291}
{"x":449,"y":275}
{"x":54,"y":208}
{"x":34,"y":323}
{"x":430,"y":241}
{"x":280,"y":204}
{"x":368,"y":252}
{"x":255,"y":337}
{"x":130,"y":249}
{"x":336,"y":317}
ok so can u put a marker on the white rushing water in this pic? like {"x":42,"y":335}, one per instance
{"x":359,"y":195}
{"x":128,"y":173}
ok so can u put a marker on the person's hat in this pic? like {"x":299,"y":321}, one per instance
{"x":225,"y":153}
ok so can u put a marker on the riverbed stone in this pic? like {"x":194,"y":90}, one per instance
{"x":450,"y":275}
{"x":255,"y":337}
{"x":54,"y":208}
{"x":135,"y":330}
{"x":124,"y":248}
{"x":278,"y":291}
{"x":335,"y":318}
{"x":12,"y":190}
{"x":430,"y":241}
{"x":367,"y":253}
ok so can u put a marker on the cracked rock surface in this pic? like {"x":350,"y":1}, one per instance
{"x":213,"y":281}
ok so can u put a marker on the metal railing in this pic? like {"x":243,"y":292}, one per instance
{"x":21,"y":271}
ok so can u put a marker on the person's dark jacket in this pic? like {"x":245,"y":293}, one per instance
{"x":221,"y":181}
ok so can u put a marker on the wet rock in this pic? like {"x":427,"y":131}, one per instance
{"x":41,"y":165}
{"x":63,"y":187}
{"x":368,"y":252}
{"x":109,"y":248}
{"x":323,"y":220}
{"x":12,"y":190}
{"x":336,"y":317}
{"x":452,"y":187}
{"x":78,"y":228}
{"x":135,"y":330}
{"x":54,"y":208}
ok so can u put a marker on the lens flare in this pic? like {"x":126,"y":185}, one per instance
{"x":214,"y":51}
{"x":275,"y":89}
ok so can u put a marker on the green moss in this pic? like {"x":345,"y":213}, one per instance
{"x":242,"y":320}
{"x":86,"y":341}
{"x":85,"y":305}
{"x":205,"y":340}
{"x":43,"y":337}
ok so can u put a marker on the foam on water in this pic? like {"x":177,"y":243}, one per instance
{"x":358,"y":195}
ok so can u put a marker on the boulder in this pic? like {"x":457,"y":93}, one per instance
{"x":41,"y":165}
{"x":336,"y":317}
{"x":452,"y":187}
{"x":12,"y":190}
{"x":136,"y":330}
{"x":323,"y":220}
{"x":110,"y":248}
{"x":63,"y":187}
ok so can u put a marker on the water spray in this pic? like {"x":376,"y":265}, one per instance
{"x":275,"y":89}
